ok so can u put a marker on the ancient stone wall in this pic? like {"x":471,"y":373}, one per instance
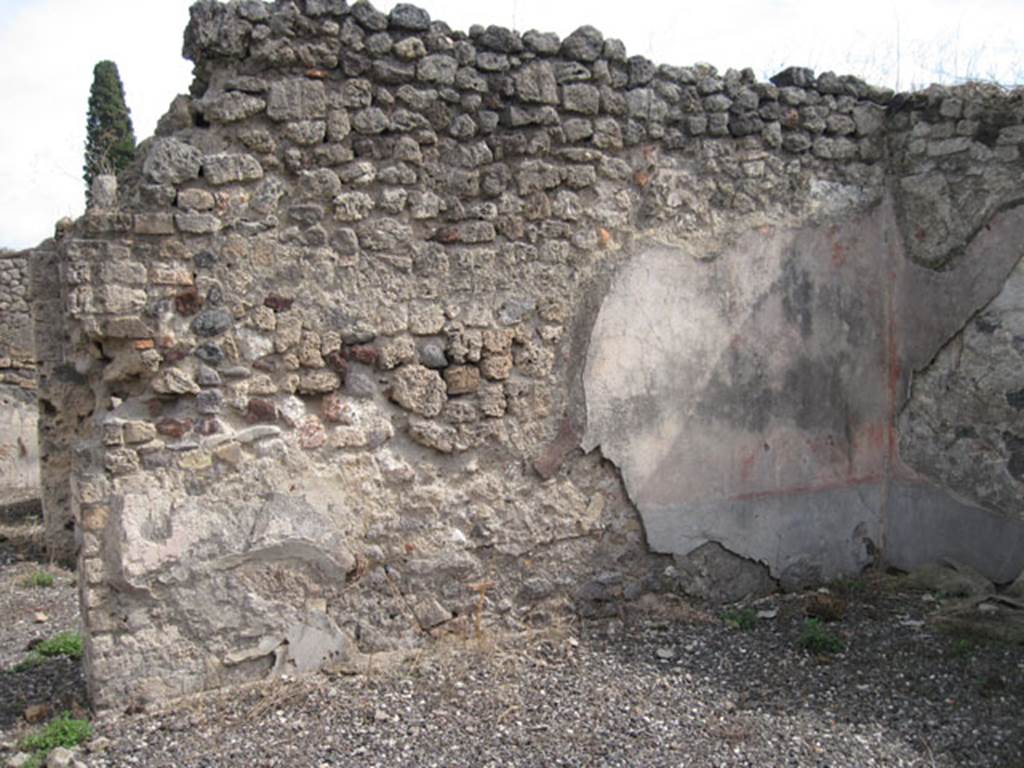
{"x":19,"y":473}
{"x":64,"y":400}
{"x":393,"y":329}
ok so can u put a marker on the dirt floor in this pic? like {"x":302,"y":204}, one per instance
{"x":665,"y":682}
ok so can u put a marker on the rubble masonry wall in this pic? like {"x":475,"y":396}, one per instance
{"x":388,"y":317}
{"x":19,"y":473}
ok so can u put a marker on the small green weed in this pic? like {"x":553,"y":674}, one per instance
{"x":62,"y":731}
{"x":742,"y":618}
{"x":64,"y":644}
{"x":817,"y":639}
{"x":40,"y":578}
{"x":962,"y":648}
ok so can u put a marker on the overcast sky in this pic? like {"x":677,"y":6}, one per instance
{"x":49,"y":47}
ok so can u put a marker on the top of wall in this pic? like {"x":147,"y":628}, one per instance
{"x":291,"y":87}
{"x":584,"y":74}
{"x":360,"y":41}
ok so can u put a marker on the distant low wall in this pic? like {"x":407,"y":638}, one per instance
{"x":19,"y":453}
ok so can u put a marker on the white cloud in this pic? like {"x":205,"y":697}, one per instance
{"x":49,"y":47}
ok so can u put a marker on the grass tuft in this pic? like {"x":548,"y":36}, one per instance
{"x":64,"y":644}
{"x":62,"y":731}
{"x":40,"y":578}
{"x":817,"y":639}
{"x":740,"y":618}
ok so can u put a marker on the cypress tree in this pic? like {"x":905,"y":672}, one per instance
{"x":109,"y":137}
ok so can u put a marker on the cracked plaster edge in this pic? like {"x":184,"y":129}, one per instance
{"x":922,"y":357}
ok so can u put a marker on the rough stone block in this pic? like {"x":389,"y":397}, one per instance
{"x":225,"y":168}
{"x":437,"y":69}
{"x":231,"y":107}
{"x":171,"y":162}
{"x":581,"y":97}
{"x":462,"y":379}
{"x":198,"y":223}
{"x":585,"y":44}
{"x":296,"y":99}
{"x":419,"y":389}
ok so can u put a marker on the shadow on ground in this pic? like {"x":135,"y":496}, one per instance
{"x":31,"y":614}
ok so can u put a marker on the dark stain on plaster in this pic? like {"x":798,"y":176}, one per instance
{"x":811,"y":394}
{"x":814,"y":389}
{"x":1015,"y":447}
{"x":1016,"y":399}
{"x":797,"y":295}
{"x":738,"y":391}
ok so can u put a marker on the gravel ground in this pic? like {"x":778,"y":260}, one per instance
{"x":666,"y":683}
{"x":29,"y":614}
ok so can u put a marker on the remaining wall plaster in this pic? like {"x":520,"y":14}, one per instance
{"x":749,"y":396}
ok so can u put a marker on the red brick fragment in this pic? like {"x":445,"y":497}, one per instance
{"x":179,"y":352}
{"x":260,"y":410}
{"x":188,"y":302}
{"x":174,"y":428}
{"x":337,"y":362}
{"x":278,"y":303}
{"x":365,"y":354}
{"x":447,"y":235}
